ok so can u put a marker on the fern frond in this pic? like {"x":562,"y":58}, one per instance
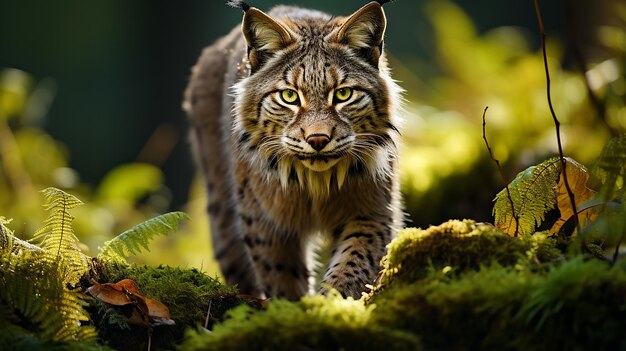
{"x":36,"y":295}
{"x":533,"y":194}
{"x":136,"y":239}
{"x":6,"y":235}
{"x":57,"y":237}
{"x":9,"y":243}
{"x":610,"y":169}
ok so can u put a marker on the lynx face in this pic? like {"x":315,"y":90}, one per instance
{"x":315,"y":103}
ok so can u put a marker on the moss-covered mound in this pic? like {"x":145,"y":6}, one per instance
{"x":576,"y":306}
{"x":458,"y":246}
{"x":314,"y":323}
{"x":458,"y":286}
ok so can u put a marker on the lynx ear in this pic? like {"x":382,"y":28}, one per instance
{"x":363,"y":31}
{"x":264,"y":36}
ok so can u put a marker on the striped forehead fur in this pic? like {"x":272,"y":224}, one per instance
{"x":256,"y":120}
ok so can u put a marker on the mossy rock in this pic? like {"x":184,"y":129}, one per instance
{"x":416,"y":259}
{"x":456,"y":247}
{"x":468,"y":286}
{"x":576,"y":305}
{"x":186,"y":292}
{"x":314,"y":323}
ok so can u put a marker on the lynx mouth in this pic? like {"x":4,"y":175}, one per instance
{"x":319,"y":163}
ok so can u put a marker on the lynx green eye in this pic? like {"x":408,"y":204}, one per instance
{"x":289,"y":96}
{"x":343,"y":94}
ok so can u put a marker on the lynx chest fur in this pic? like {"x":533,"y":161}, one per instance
{"x":294,"y":123}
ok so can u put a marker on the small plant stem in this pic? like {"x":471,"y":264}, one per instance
{"x":616,"y":253}
{"x":502,"y":176}
{"x":208,"y":316}
{"x":63,"y":220}
{"x":557,"y":124}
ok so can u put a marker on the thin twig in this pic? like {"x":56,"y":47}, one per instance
{"x":557,"y":124}
{"x":616,"y":253}
{"x":208,"y":316}
{"x":502,"y":176}
{"x":599,"y":106}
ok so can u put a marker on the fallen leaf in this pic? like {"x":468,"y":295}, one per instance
{"x":577,"y":177}
{"x":129,"y":285}
{"x":255,"y":301}
{"x":157,"y":309}
{"x":110,"y":293}
{"x":139,"y":314}
{"x":126,"y":292}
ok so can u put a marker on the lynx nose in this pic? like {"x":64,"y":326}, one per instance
{"x":318,"y":141}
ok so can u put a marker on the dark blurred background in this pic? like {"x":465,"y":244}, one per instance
{"x":104,"y":80}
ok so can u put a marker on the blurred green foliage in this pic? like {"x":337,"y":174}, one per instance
{"x":446,"y":170}
{"x":32,"y":160}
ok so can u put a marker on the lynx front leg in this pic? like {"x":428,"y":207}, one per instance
{"x":355,"y":257}
{"x":278,"y":259}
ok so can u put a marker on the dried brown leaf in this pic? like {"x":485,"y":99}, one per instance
{"x":126,"y":292}
{"x":578,"y":178}
{"x":255,"y":301}
{"x":110,"y":293}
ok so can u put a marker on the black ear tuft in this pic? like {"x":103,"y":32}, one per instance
{"x":382,"y":2}
{"x":238,"y":5}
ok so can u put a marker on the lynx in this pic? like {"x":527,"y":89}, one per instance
{"x":293,"y":117}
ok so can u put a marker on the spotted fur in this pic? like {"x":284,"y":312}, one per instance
{"x":278,"y":173}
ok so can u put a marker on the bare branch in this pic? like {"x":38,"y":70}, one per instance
{"x":502,"y":176}
{"x":557,"y":124}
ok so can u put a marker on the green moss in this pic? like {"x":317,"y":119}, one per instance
{"x":186,"y":292}
{"x":575,"y":306}
{"x":579,"y":303}
{"x":454,"y":313}
{"x":314,"y":323}
{"x":461,"y":246}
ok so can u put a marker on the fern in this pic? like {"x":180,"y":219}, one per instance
{"x":8,"y":240}
{"x":57,"y":237}
{"x":33,"y":296}
{"x":611,"y":169}
{"x":533,"y":194}
{"x":136,"y":239}
{"x":36,"y":302}
{"x":533,"y":191}
{"x":6,"y":234}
